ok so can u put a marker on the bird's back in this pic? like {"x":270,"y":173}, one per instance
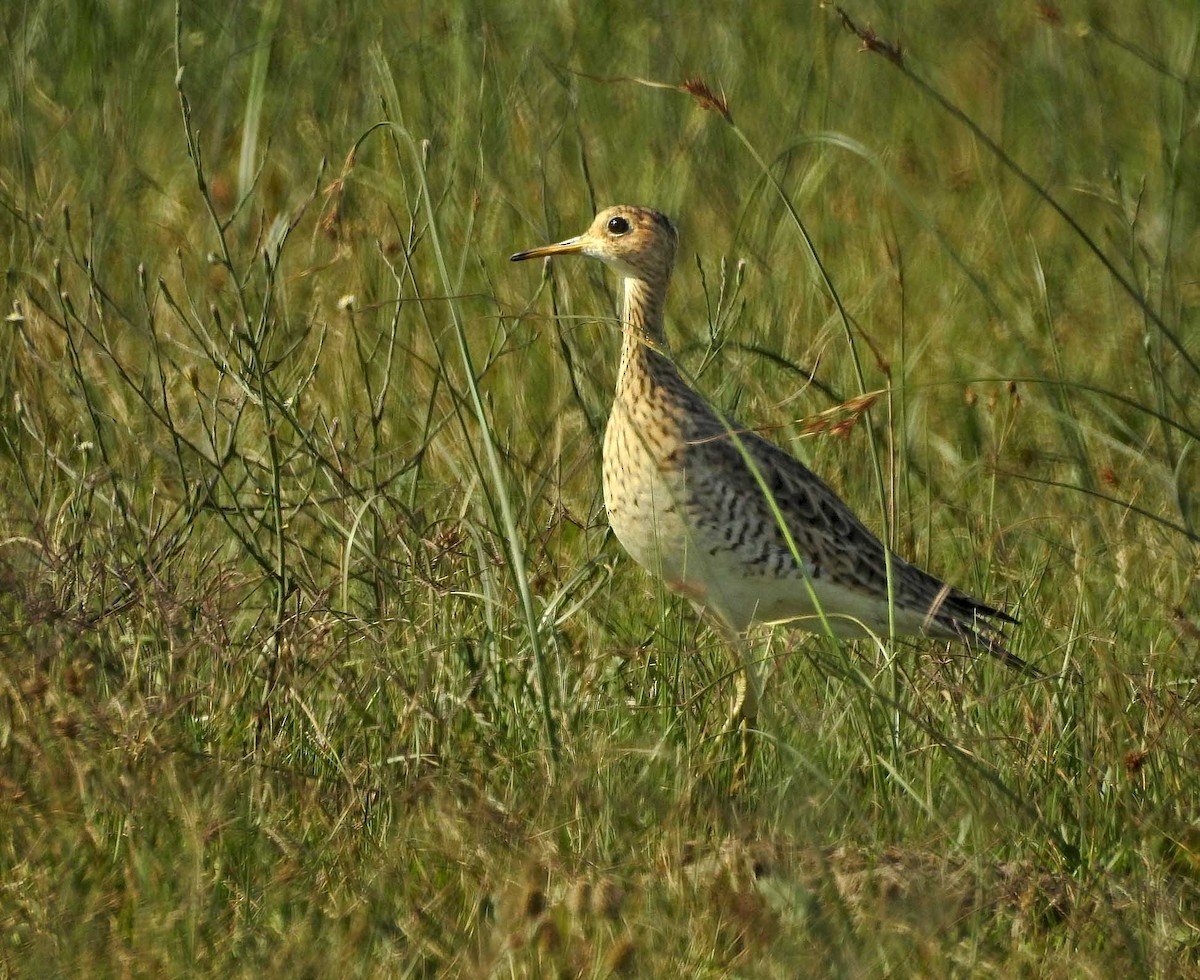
{"x":742,"y":527}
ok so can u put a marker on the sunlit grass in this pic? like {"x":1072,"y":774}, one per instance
{"x":298,"y":675}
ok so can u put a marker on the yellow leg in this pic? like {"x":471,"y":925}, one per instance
{"x":748,"y":690}
{"x":743,"y":718}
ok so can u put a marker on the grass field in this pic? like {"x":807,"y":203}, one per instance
{"x":316,"y":655}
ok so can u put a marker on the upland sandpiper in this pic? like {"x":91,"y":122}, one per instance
{"x":728,"y":519}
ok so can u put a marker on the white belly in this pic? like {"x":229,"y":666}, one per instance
{"x":647,"y":506}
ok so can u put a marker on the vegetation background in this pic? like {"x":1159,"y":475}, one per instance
{"x":317,"y":656}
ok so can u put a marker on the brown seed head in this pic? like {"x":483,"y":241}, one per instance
{"x":706,"y":98}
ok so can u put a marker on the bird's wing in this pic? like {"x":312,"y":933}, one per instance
{"x":831,"y":540}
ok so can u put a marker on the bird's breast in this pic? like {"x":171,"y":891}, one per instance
{"x":645,"y":488}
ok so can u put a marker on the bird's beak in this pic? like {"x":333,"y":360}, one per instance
{"x":572,"y":246}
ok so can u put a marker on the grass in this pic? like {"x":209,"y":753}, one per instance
{"x":317,"y":657}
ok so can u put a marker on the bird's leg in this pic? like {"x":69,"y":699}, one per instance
{"x":748,"y":687}
{"x":743,"y":718}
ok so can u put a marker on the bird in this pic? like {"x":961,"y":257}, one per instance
{"x":728,"y":518}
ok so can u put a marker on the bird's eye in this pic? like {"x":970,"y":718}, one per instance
{"x":618,"y":225}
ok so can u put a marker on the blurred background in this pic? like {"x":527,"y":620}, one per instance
{"x":318,"y":655}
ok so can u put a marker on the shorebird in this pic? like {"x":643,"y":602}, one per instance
{"x":729,"y":519}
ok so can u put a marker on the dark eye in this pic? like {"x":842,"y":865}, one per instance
{"x":618,"y":225}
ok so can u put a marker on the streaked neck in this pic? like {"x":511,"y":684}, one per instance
{"x":644,"y":347}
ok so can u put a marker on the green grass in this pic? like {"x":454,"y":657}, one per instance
{"x":316,"y":657}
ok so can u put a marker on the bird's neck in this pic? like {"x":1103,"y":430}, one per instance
{"x":644,"y":350}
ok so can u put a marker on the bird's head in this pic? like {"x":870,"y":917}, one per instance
{"x":637,"y":242}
